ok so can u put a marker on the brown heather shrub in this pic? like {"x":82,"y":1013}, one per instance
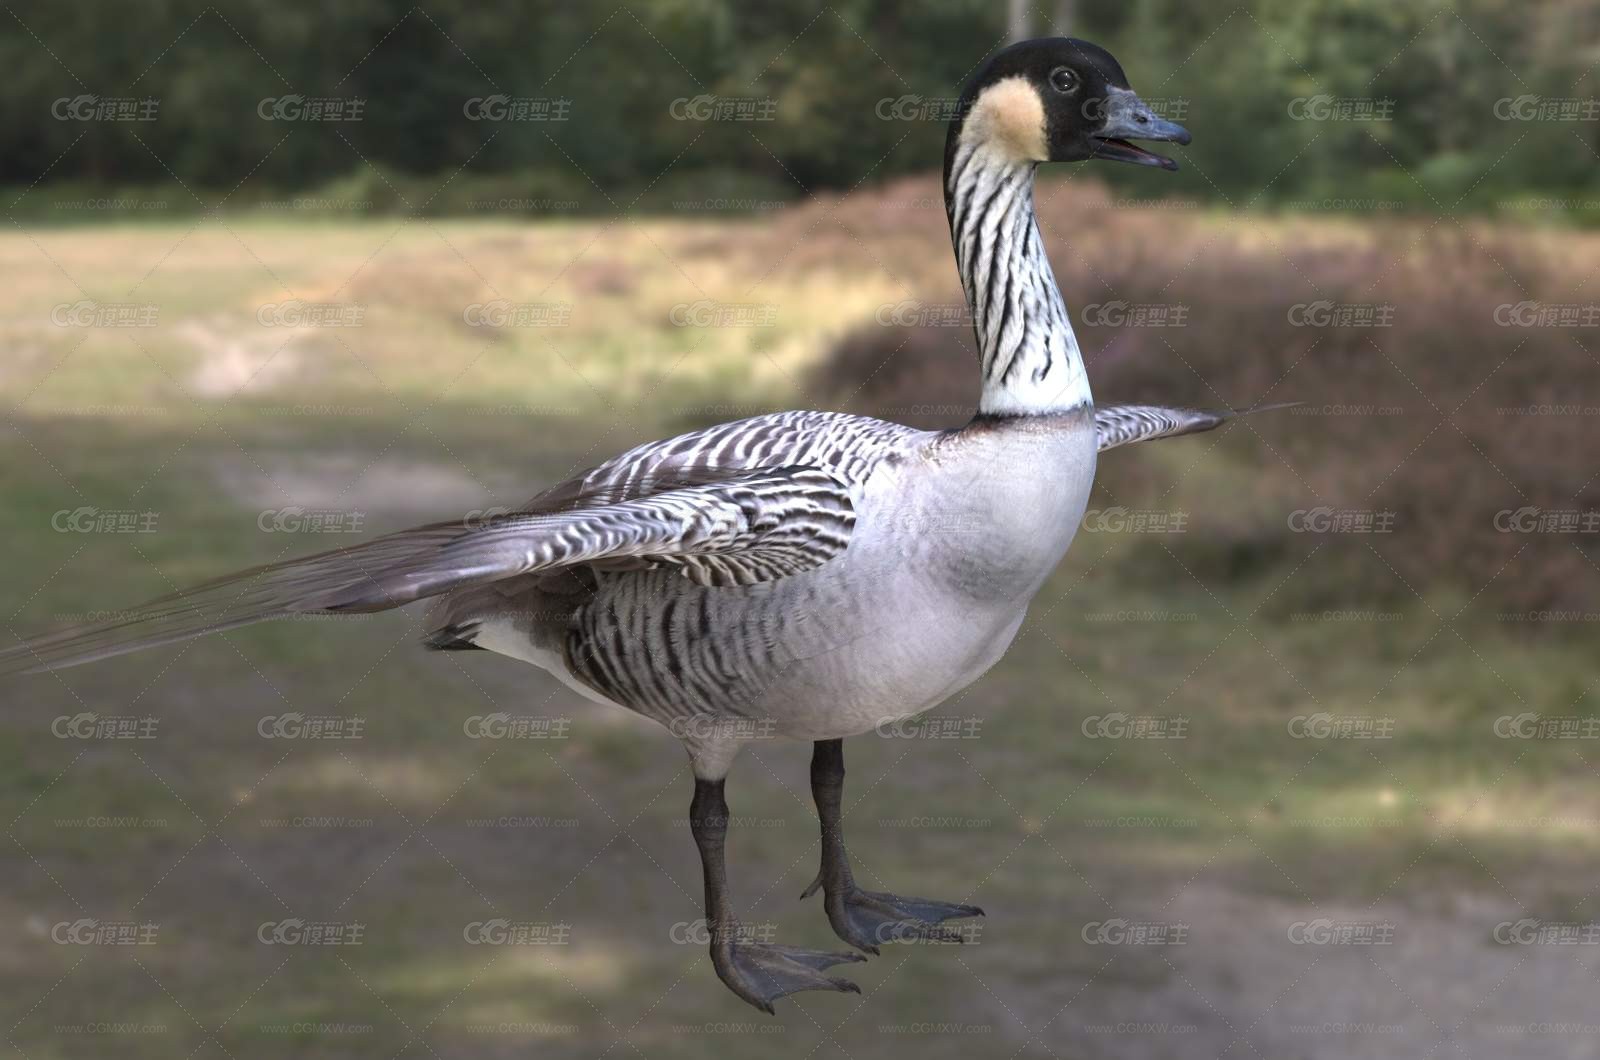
{"x":1420,"y":418}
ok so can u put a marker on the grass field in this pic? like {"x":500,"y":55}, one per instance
{"x":1327,"y":760}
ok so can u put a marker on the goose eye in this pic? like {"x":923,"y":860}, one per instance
{"x":1063,"y":79}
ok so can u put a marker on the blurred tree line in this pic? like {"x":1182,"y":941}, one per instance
{"x":626,"y":80}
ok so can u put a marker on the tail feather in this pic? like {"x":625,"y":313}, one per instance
{"x":375,"y":576}
{"x":460,"y":636}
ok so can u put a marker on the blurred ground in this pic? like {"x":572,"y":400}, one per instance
{"x":1237,"y":790}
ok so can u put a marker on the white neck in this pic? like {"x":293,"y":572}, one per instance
{"x":1030,"y":357}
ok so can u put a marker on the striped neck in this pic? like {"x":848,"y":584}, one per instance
{"x":1029,"y":355}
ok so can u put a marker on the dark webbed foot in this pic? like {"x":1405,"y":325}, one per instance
{"x":759,"y":972}
{"x":762,"y":972}
{"x":869,"y":919}
{"x":866,"y":919}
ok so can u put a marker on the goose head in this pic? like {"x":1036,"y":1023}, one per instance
{"x":1060,"y":100}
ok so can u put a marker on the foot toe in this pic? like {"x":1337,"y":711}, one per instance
{"x":816,"y":959}
{"x":761,"y":973}
{"x":928,"y":910}
{"x":870,"y":919}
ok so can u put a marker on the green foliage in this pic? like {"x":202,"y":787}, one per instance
{"x":1438,"y":69}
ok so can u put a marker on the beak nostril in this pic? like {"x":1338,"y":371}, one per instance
{"x":1130,"y":118}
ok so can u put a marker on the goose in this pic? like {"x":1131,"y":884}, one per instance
{"x":807,"y":575}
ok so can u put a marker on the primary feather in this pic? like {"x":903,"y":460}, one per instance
{"x":742,"y":527}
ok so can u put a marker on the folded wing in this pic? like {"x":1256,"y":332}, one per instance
{"x":743,"y":528}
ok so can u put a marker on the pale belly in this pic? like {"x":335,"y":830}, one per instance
{"x":882,"y":680}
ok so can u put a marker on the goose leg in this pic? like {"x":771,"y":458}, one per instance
{"x":865,"y":919}
{"x":759,"y":972}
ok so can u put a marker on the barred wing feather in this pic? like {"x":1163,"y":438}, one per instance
{"x":1119,"y":425}
{"x":743,"y":528}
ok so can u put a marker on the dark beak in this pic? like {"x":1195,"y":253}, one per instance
{"x":1127,"y":117}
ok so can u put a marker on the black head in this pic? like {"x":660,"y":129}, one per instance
{"x":1060,"y":100}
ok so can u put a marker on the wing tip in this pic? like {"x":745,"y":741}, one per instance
{"x":1270,"y":406}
